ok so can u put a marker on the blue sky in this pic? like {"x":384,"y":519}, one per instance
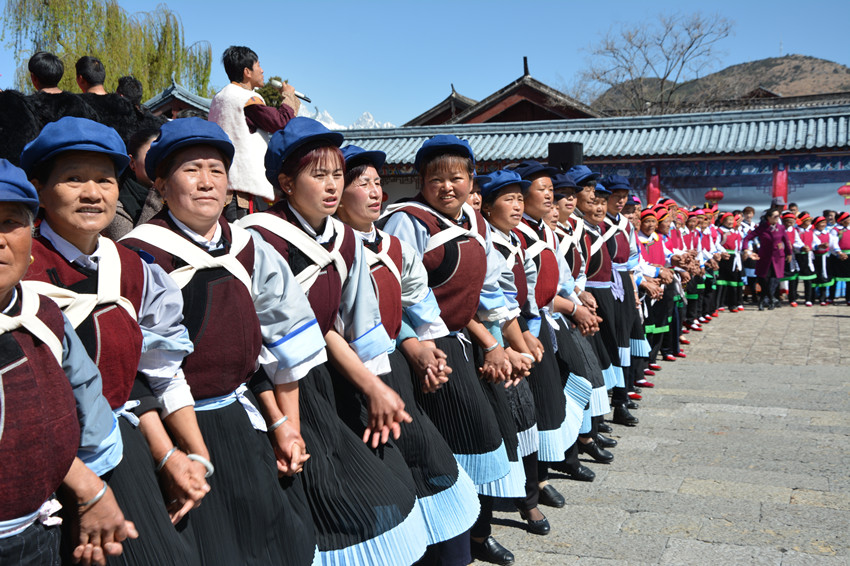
{"x":397,"y":59}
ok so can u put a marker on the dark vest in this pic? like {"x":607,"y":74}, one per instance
{"x":599,"y":264}
{"x":41,"y":434}
{"x":518,"y":270}
{"x":387,"y":287}
{"x":546,"y":262}
{"x":112,"y":337}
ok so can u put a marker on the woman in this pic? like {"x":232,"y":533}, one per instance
{"x":731,"y":269}
{"x":239,"y":299}
{"x":51,"y":404}
{"x":774,"y":249}
{"x":127,"y":314}
{"x":804,"y":255}
{"x":463,"y":271}
{"x":363,"y":511}
{"x":410,"y":314}
{"x":824,"y":282}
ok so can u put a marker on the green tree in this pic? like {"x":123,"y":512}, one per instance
{"x":271,"y":94}
{"x":149,"y":45}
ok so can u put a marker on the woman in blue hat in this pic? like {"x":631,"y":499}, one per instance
{"x":126,"y":313}
{"x":362,"y":511}
{"x":53,"y":412}
{"x":411,"y":316}
{"x":454,"y":243}
{"x":241,"y":304}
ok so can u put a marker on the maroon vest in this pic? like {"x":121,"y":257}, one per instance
{"x":219,"y":314}
{"x":111,"y":336}
{"x":548,"y":273}
{"x":618,"y":245}
{"x":41,"y":432}
{"x":808,"y":237}
{"x":599,"y":264}
{"x":573,"y":255}
{"x":387,"y":287}
{"x":843,"y":238}
{"x":518,"y":269}
{"x":326,"y":293}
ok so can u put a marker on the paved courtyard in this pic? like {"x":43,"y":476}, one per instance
{"x":742,"y":456}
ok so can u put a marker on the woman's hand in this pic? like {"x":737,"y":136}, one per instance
{"x":520,"y":367}
{"x":100,"y":529}
{"x":428,"y":362}
{"x":386,"y":413}
{"x":588,"y":301}
{"x":534,"y":345}
{"x":496,"y":367}
{"x":183,"y":485}
{"x":290,"y":450}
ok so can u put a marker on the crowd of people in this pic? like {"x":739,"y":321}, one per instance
{"x":295,"y":374}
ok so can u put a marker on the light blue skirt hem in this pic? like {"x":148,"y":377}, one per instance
{"x":586,"y":425}
{"x":510,"y":486}
{"x":609,"y":374}
{"x":451,"y":511}
{"x":599,"y":404}
{"x":621,"y":378}
{"x":640,"y":348}
{"x":317,"y":557}
{"x":529,"y":442}
{"x":625,"y":356}
{"x":487,"y":467}
{"x":553,"y":444}
{"x":577,"y":391}
{"x":403,"y":544}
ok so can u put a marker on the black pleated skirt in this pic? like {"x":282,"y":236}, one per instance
{"x":547,"y":385}
{"x":608,"y":335}
{"x":576,"y":355}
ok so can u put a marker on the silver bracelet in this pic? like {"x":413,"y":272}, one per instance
{"x":277,"y":423}
{"x":165,"y":458}
{"x":96,"y":498}
{"x":206,"y":463}
{"x":575,"y":310}
{"x":491,"y":348}
{"x":529,"y":356}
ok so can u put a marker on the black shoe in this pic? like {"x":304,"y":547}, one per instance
{"x":622,"y":416}
{"x":599,"y":454}
{"x":491,"y":551}
{"x":605,"y":427}
{"x":635,"y":390}
{"x":539,"y":527}
{"x":632,"y":405}
{"x":605,"y":442}
{"x":550,"y":497}
{"x":581,"y":473}
{"x":761,"y":305}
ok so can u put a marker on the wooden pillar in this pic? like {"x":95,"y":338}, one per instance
{"x":780,"y":182}
{"x":653,"y":185}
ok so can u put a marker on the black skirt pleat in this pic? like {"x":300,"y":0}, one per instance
{"x":547,"y":385}
{"x":576,"y":355}
{"x":608,"y":328}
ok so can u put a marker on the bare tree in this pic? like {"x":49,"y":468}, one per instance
{"x":644,"y":66}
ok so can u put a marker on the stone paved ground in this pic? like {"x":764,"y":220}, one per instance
{"x":742,"y":456}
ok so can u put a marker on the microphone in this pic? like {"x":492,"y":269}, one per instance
{"x":278,"y":85}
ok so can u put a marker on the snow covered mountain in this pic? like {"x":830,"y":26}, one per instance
{"x":365,"y":121}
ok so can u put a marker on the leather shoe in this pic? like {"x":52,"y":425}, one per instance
{"x":539,"y":527}
{"x":635,"y":396}
{"x":669,"y":358}
{"x":649,"y":373}
{"x":684,"y":341}
{"x":605,"y":442}
{"x":605,"y":427}
{"x":645,"y":383}
{"x":655,"y":367}
{"x":594,"y":451}
{"x":581,"y":473}
{"x":491,"y":551}
{"x":622,"y":416}
{"x":550,"y":497}
{"x":632,"y":405}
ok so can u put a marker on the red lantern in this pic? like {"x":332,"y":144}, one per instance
{"x":714,"y":196}
{"x":844,"y":190}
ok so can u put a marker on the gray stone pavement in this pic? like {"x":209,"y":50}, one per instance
{"x":742,"y":456}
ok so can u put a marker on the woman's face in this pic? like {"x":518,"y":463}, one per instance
{"x":648,"y":225}
{"x":15,"y":247}
{"x":729,"y":221}
{"x":566,"y":206}
{"x":360,"y":204}
{"x":447,"y":188}
{"x":600,"y":207}
{"x":538,"y":198}
{"x":316,"y":191}
{"x":196,"y":187}
{"x":505,"y":212}
{"x":820,"y":225}
{"x":474,"y":200}
{"x":80,"y":196}
{"x":773,"y":217}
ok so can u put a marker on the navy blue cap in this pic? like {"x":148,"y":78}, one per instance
{"x":559,"y":196}
{"x":582,"y":173}
{"x":500,"y":179}
{"x":15,"y":187}
{"x":298,"y":133}
{"x":529,"y":169}
{"x":602,"y":191}
{"x":616,"y":183}
{"x":74,"y":134}
{"x":355,"y":156}
{"x":185,"y":132}
{"x":439,"y":145}
{"x":564,"y":181}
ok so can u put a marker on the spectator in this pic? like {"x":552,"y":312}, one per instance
{"x":46,"y":70}
{"x":90,"y":75}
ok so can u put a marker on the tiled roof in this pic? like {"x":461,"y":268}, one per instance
{"x":747,"y":132}
{"x":180,"y":93}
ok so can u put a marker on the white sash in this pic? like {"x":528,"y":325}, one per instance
{"x":298,"y":238}
{"x":78,"y":306}
{"x":195,"y":257}
{"x":539,"y":244}
{"x":514,"y":249}
{"x":27,"y":319}
{"x":382,"y":256}
{"x":451,"y":231}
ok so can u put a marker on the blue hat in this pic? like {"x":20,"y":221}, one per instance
{"x":602,"y":191}
{"x":439,"y":145}
{"x":74,"y":134}
{"x":616,"y":183}
{"x":355,"y":156}
{"x":564,"y":181}
{"x":15,"y":187}
{"x":529,"y":169}
{"x":298,"y":133}
{"x":559,"y":196}
{"x":184,"y":132}
{"x":499,"y":180}
{"x":582,"y":173}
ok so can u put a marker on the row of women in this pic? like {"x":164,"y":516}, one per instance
{"x":319,"y":383}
